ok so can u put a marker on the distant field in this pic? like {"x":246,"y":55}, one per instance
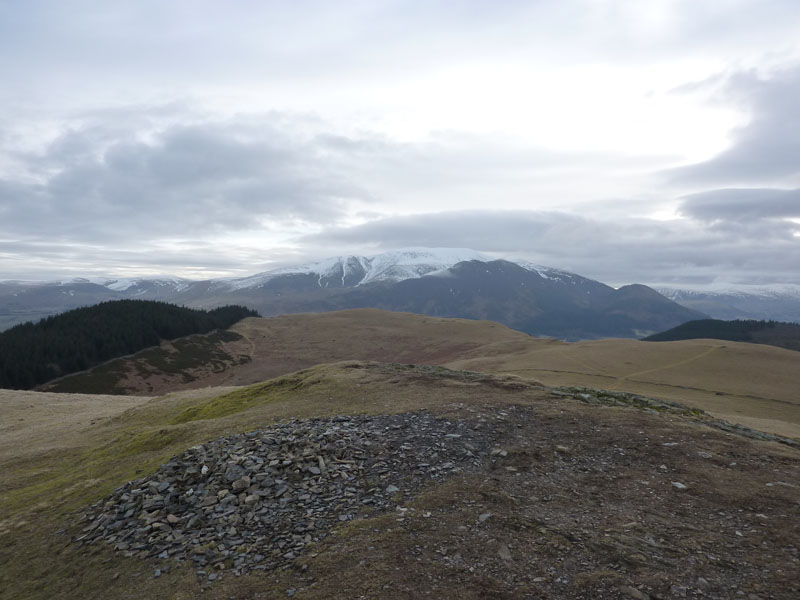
{"x":751,"y":384}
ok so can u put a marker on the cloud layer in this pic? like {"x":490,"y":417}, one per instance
{"x":617,"y":251}
{"x":628,"y":141}
{"x":184,"y":179}
{"x":766,"y":150}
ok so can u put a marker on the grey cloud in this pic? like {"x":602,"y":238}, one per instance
{"x":767,"y":149}
{"x":199,"y":259}
{"x":185,"y":179}
{"x":101,"y":184}
{"x":615,"y":251}
{"x":180,"y":41}
{"x":742,"y":205}
{"x":471,"y":170}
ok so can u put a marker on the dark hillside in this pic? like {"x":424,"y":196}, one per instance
{"x":31,"y":354}
{"x":773,"y":333}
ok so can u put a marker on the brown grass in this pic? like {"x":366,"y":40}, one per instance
{"x":558,"y":512}
{"x":751,"y":384}
{"x":76,"y":465}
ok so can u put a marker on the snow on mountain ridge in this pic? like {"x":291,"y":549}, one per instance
{"x":122,"y":284}
{"x":408,"y":263}
{"x":546,"y":272}
{"x":411,"y":263}
{"x":786,"y":290}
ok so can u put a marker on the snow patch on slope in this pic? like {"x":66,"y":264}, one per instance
{"x":408,"y":263}
{"x":123,"y":284}
{"x":786,"y":290}
{"x":412,"y":263}
{"x":547,"y":272}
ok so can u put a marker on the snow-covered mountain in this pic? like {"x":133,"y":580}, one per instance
{"x":450,"y":282}
{"x":22,"y":301}
{"x":777,"y":303}
{"x":550,"y":272}
{"x":351,"y":271}
{"x":135,"y":285}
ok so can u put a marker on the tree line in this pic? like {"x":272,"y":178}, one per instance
{"x":34,"y":353}
{"x":740,"y":330}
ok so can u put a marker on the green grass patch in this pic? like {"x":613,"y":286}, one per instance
{"x":79,"y":477}
{"x":244,"y":399}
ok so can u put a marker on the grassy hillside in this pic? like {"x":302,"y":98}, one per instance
{"x":265,"y":348}
{"x":31,"y":354}
{"x":576,"y":501}
{"x":744,"y":383}
{"x":614,"y":484}
{"x":177,"y":364}
{"x":774,"y":333}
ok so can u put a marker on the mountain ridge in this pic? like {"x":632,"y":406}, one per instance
{"x":777,"y":303}
{"x":448,"y":282}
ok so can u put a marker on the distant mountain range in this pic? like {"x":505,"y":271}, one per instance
{"x":443,"y":282}
{"x":781,"y":303}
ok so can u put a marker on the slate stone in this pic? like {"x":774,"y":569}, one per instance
{"x":256,"y":500}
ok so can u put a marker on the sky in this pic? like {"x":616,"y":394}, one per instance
{"x":655,"y":142}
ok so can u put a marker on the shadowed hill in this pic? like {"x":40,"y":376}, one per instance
{"x":774,"y":333}
{"x":33,"y":353}
{"x":264,"y":348}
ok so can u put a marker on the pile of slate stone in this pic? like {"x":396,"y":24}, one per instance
{"x":254,"y":501}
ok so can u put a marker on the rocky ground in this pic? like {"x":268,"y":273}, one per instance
{"x":550,"y":500}
{"x":255,"y":501}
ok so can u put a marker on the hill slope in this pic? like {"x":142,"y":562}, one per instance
{"x":522,"y":492}
{"x":744,"y":383}
{"x":32,"y":354}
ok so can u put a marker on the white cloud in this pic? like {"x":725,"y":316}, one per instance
{"x":143,"y":134}
{"x":766,"y":149}
{"x":618,"y":251}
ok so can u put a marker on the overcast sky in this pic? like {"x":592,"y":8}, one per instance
{"x":629,"y":141}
